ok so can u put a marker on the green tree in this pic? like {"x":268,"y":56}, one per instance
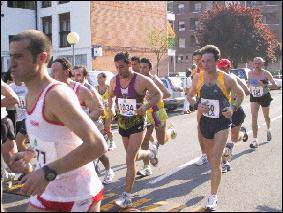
{"x":159,"y":44}
{"x":239,"y":32}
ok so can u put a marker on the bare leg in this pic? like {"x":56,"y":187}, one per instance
{"x":254,"y":111}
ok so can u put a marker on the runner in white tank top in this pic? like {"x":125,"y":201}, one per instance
{"x":64,"y":137}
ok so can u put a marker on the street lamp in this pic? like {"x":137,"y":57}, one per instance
{"x":73,"y":38}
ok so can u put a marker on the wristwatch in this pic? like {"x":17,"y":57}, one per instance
{"x":49,"y":174}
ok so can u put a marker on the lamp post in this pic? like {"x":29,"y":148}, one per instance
{"x":73,"y":38}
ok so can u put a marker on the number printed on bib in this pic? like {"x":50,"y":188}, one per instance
{"x":256,"y":91}
{"x":45,"y":152}
{"x":127,"y":107}
{"x":213,"y":108}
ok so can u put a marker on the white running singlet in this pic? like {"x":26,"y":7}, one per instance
{"x":53,"y":141}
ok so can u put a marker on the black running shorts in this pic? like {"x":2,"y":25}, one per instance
{"x":263,"y":101}
{"x":238,"y":117}
{"x":7,"y":129}
{"x":210,"y":126}
{"x":135,"y":129}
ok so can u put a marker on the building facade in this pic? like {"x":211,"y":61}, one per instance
{"x":113,"y":26}
{"x":186,"y":22}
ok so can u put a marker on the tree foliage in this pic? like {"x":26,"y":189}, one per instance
{"x":239,"y":32}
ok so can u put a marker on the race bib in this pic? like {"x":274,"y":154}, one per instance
{"x":256,"y":91}
{"x":127,"y":107}
{"x":45,"y":152}
{"x":213,"y":108}
{"x":22,"y":102}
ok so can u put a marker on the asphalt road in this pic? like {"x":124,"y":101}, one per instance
{"x":254,"y":184}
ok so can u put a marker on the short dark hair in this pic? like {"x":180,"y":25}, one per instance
{"x":65,"y":64}
{"x":83,"y":67}
{"x":122,"y":56}
{"x":188,"y":72}
{"x":146,"y":61}
{"x":102,"y":74}
{"x":211,"y":49}
{"x":136,"y":58}
{"x":38,"y":43}
{"x":196,"y":52}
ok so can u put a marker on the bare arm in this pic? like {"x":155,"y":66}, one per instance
{"x":165,"y":92}
{"x":111,"y":89}
{"x":11,"y":97}
{"x":270,"y":78}
{"x":244,"y":87}
{"x":237,"y":89}
{"x":193,"y":90}
{"x":155,"y":94}
{"x":93,"y":145}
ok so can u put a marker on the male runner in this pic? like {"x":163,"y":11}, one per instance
{"x":103,"y":90}
{"x":130,"y":88}
{"x":156,"y":118}
{"x":135,"y":63}
{"x":260,"y":96}
{"x":214,"y":90}
{"x":64,"y":137}
{"x":90,"y":103}
{"x":238,"y":132}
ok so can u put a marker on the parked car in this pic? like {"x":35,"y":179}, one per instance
{"x":278,"y":80}
{"x":92,"y":77}
{"x":175,"y":87}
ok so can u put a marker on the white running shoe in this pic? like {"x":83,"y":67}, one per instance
{"x":202,"y":160}
{"x":111,"y":145}
{"x":109,"y":175}
{"x":146,"y":171}
{"x":153,"y":157}
{"x":211,"y":203}
{"x":254,"y":144}
{"x":124,"y":201}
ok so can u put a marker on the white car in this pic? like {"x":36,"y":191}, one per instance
{"x":278,"y":80}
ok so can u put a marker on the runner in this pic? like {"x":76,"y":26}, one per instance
{"x":130,"y":88}
{"x":187,"y":90}
{"x":90,"y":103}
{"x":156,"y":118}
{"x":135,"y":63}
{"x":64,"y":137}
{"x":21,"y":135}
{"x":238,"y":132}
{"x":103,"y":90}
{"x":197,"y":68}
{"x":214,"y":88}
{"x":258,"y":80}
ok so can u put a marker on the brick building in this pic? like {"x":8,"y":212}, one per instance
{"x":112,"y":25}
{"x":186,"y":23}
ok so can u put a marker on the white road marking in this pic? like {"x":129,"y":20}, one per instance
{"x":162,"y":177}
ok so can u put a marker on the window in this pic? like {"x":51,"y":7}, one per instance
{"x":45,"y":4}
{"x":209,"y":5}
{"x":197,"y":7}
{"x":270,"y":18}
{"x":65,"y":29}
{"x":47,"y":26}
{"x":180,"y":58}
{"x":182,"y":26}
{"x":81,"y":59}
{"x":180,"y":9}
{"x":182,"y":43}
{"x":170,"y":6}
{"x":22,"y":4}
{"x":63,"y":2}
{"x":193,"y":23}
{"x":187,"y":58}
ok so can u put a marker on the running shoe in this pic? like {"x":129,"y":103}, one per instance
{"x":153,"y":157}
{"x":228,"y":151}
{"x":111,"y":145}
{"x":226,"y":167}
{"x":211,"y":203}
{"x":269,"y":136}
{"x":244,"y":130}
{"x":146,"y":171}
{"x":124,"y":201}
{"x":202,"y":160}
{"x":109,"y":175}
{"x":254,"y":145}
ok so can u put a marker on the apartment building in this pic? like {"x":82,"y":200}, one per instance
{"x":186,"y":22}
{"x":111,"y":26}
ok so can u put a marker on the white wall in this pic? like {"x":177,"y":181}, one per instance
{"x":80,"y":23}
{"x":14,"y":21}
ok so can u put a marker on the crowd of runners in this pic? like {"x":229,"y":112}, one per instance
{"x":65,"y":123}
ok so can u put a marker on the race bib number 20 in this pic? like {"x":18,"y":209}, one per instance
{"x":213,"y":108}
{"x":127,"y":107}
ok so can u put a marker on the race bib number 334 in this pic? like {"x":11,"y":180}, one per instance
{"x":127,"y":107}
